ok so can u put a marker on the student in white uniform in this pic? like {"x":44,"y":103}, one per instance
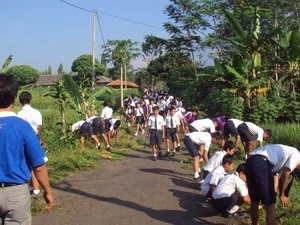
{"x":34,"y":118}
{"x":230,"y":129}
{"x":214,"y":177}
{"x":156,"y":132}
{"x":203,"y":125}
{"x":260,"y":167}
{"x":198,"y":144}
{"x":172,"y":128}
{"x":106,"y":114}
{"x":231,"y":193}
{"x":216,"y":159}
{"x":248,"y":132}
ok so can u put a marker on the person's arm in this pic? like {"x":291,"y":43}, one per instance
{"x":41,"y":174}
{"x":283,"y":181}
{"x":247,"y":199}
{"x":39,"y":128}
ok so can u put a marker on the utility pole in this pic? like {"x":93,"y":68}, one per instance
{"x":94,"y":50}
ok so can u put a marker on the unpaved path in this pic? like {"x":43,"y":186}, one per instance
{"x":131,"y":191}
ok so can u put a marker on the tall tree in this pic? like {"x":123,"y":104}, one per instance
{"x":60,"y":69}
{"x":120,"y":53}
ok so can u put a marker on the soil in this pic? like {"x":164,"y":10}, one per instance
{"x":132,"y":191}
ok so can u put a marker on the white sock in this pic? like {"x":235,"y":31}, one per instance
{"x":178,"y":145}
{"x":199,"y":170}
{"x":196,"y":174}
{"x":154,"y":155}
{"x":168,"y":150}
{"x":108,"y":146}
{"x":36,"y":191}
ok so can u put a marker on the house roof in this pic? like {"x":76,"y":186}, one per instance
{"x":117,"y":83}
{"x":102,"y":80}
{"x":47,"y":80}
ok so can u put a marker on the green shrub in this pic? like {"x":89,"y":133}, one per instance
{"x":24,"y":74}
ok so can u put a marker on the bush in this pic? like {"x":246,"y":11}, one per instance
{"x":24,"y":74}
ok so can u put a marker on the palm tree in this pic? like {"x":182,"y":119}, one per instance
{"x":5,"y":66}
{"x":120,"y":53}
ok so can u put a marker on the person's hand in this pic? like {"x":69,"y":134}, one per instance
{"x":285,"y":201}
{"x":49,"y":200}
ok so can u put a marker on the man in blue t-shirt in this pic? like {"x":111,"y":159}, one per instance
{"x":20,"y":152}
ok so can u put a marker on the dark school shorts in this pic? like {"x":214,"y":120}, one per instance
{"x":229,"y":129}
{"x":85,"y":129}
{"x":155,"y":137}
{"x":139,"y":120}
{"x":98,"y":126}
{"x":107,"y":124}
{"x":225,"y":204}
{"x":191,"y":146}
{"x":244,"y":132}
{"x":171,"y":134}
{"x":260,"y":180}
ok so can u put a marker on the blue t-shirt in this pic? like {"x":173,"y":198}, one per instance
{"x":20,"y":149}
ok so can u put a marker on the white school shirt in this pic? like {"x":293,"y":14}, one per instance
{"x":113,"y":121}
{"x":106,"y":113}
{"x":279,"y":156}
{"x":176,"y":121}
{"x":255,"y":130}
{"x":151,"y":108}
{"x":215,"y":160}
{"x":139,"y":111}
{"x":201,"y":138}
{"x":236,"y":122}
{"x":90,"y":119}
{"x":228,"y":185}
{"x":161,"y":105}
{"x":204,"y":125}
{"x":159,"y":120}
{"x":213,"y":178}
{"x":32,"y":116}
{"x":77,"y":125}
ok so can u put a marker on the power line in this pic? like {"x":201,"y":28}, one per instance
{"x":108,"y":14}
{"x":78,"y":7}
{"x":132,"y":21}
{"x":100,"y":28}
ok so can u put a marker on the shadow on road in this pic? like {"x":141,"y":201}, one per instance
{"x":192,"y":214}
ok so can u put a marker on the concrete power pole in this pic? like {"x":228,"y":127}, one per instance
{"x":94,"y":50}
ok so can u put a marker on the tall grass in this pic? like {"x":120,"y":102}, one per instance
{"x":287,"y":134}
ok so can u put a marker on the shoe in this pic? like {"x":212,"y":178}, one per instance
{"x":108,"y":148}
{"x":178,"y":149}
{"x":154,"y":158}
{"x":99,"y":146}
{"x":235,"y":215}
{"x":173,"y":153}
{"x":167,"y":154}
{"x":143,"y":131}
{"x":159,"y":155}
{"x":136,"y":134}
{"x":197,"y":180}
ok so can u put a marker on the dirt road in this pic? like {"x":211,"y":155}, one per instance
{"x":132,"y":191}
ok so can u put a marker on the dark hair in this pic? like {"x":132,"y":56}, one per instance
{"x":241,"y":168}
{"x":227,"y":159}
{"x":8,"y":90}
{"x":172,"y":108}
{"x":268,"y":132}
{"x":117,"y":124}
{"x":228,"y":145}
{"x":217,"y":135}
{"x":155,"y":108}
{"x":106,"y":103}
{"x":25,"y":97}
{"x":173,"y":103}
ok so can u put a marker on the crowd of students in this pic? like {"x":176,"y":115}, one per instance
{"x":253,"y":182}
{"x":94,"y":127}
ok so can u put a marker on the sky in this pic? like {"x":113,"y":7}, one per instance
{"x":49,"y":32}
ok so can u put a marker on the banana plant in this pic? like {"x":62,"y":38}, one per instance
{"x":241,"y":73}
{"x":290,"y":44}
{"x":5,"y":66}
